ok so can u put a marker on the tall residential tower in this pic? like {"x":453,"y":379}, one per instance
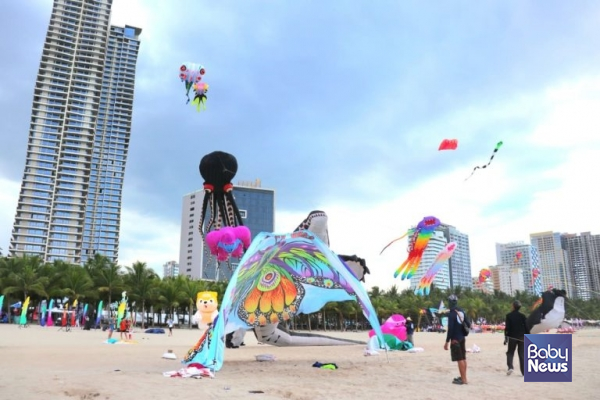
{"x":459,"y":265}
{"x":69,"y":206}
{"x":553,"y":261}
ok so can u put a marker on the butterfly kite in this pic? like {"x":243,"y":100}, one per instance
{"x":425,"y":283}
{"x":448,"y":144}
{"x":191,"y":74}
{"x":419,"y":239}
{"x":281,"y":276}
{"x":498,"y":145}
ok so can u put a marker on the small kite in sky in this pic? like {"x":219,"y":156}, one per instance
{"x":448,"y":144}
{"x":425,"y":283}
{"x":190,"y":74}
{"x":498,"y":145}
{"x":484,"y":275}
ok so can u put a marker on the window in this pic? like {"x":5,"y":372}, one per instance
{"x":244,"y":214}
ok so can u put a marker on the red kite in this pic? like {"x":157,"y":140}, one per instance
{"x":448,"y":144}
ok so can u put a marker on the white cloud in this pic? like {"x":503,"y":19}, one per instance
{"x":148,"y":238}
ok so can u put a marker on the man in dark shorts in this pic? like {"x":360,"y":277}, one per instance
{"x":514,"y":335}
{"x":455,"y":339}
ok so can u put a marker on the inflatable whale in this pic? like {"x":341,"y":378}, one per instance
{"x":550,"y":314}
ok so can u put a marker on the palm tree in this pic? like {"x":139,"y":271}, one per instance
{"x":142,"y":284}
{"x":77,"y":284}
{"x":24,"y":276}
{"x":108,"y":279}
{"x":170,"y":294}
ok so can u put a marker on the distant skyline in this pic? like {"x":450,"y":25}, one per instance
{"x":342,"y":108}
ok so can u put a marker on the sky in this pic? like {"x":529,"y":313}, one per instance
{"x":341,"y":107}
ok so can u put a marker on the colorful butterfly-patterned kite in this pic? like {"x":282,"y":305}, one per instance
{"x":419,"y":239}
{"x":278,"y":277}
{"x":425,"y":283}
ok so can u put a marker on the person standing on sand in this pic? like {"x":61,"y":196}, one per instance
{"x":455,"y":337}
{"x":514,"y":335}
{"x":410,"y":329}
{"x":170,"y":325}
{"x":111,"y":327}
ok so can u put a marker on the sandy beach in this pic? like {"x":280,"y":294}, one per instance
{"x":44,"y":363}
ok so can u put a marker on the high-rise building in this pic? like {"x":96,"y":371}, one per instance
{"x":460,"y":263}
{"x":523,"y":256}
{"x":437,"y":242}
{"x":170,"y":269}
{"x":486,"y":286}
{"x":553,"y":261}
{"x":583,"y":259}
{"x":70,"y":200}
{"x":257,"y":209}
{"x":508,"y":279}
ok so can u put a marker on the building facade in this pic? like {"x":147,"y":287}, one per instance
{"x":553,"y":259}
{"x":70,"y":198}
{"x":583,"y":260}
{"x":526,"y":257}
{"x":459,"y":265}
{"x":257,"y":208}
{"x":170,"y":269}
{"x":508,"y":279}
{"x":437,"y":242}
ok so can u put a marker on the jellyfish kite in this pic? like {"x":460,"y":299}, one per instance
{"x":448,"y":144}
{"x":419,"y":239}
{"x":218,"y":169}
{"x":425,"y":283}
{"x":190,"y":74}
{"x":498,"y":145}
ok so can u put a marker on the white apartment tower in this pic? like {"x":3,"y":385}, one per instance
{"x":526,"y":257}
{"x":442,"y":278}
{"x":553,"y":259}
{"x":70,"y":200}
{"x":508,"y":279}
{"x":170,"y":269}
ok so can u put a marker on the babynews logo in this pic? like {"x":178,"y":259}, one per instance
{"x":548,"y":358}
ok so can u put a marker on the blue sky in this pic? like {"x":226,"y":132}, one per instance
{"x":341,"y":107}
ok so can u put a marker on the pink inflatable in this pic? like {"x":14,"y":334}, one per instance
{"x":395,"y":325}
{"x":228,"y":241}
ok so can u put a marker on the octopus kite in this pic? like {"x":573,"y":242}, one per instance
{"x":218,"y":169}
{"x":425,"y":283}
{"x":419,"y":239}
{"x":191,"y":74}
{"x":498,"y":145}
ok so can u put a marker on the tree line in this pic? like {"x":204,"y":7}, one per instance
{"x":100,"y":279}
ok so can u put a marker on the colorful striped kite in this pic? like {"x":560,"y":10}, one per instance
{"x":440,"y":260}
{"x":420,"y":239}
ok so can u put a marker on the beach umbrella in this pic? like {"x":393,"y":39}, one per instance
{"x":23,"y":320}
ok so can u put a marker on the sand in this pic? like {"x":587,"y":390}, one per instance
{"x":44,"y":363}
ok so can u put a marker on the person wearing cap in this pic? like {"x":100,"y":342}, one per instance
{"x":410,"y":329}
{"x":514,"y":335}
{"x":456,"y":340}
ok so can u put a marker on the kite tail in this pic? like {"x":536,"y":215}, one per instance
{"x":395,"y":240}
{"x":401,"y":269}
